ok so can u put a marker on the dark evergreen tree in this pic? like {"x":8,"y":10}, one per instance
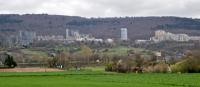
{"x":10,"y":62}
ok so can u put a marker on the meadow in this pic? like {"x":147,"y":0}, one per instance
{"x":97,"y":79}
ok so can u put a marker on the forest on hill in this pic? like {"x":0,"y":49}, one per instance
{"x":138,"y":27}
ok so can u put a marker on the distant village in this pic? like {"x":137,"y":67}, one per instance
{"x":25,"y":38}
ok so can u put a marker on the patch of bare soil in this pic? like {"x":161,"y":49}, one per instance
{"x":31,"y":70}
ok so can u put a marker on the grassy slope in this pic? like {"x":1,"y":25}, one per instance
{"x":121,"y":51}
{"x":30,"y":52}
{"x":97,"y":79}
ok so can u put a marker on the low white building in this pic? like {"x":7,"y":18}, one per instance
{"x":141,"y":41}
{"x":109,"y":40}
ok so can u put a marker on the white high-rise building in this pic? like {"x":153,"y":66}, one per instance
{"x":124,"y":34}
{"x":67,"y":33}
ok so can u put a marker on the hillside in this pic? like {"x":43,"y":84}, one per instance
{"x":138,"y":27}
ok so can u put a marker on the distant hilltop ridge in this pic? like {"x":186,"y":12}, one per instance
{"x":137,"y":27}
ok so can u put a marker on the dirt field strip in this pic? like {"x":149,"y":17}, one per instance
{"x":31,"y":70}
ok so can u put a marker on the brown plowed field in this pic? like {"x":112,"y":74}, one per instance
{"x":30,"y":70}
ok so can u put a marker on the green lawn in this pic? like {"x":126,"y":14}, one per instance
{"x":97,"y":79}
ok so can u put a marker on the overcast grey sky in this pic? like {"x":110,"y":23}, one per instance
{"x":104,"y":8}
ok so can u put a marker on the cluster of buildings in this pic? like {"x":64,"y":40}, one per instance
{"x":23,"y":38}
{"x":70,"y":35}
{"x":161,"y":35}
{"x":50,"y":38}
{"x":26,"y":37}
{"x":76,"y":36}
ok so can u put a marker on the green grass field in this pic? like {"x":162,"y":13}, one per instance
{"x":97,"y":79}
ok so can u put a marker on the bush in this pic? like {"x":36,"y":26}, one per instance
{"x":52,"y":63}
{"x":121,"y":68}
{"x":111,"y":67}
{"x":161,"y":68}
{"x":158,"y":68}
{"x":189,"y":64}
{"x":186,"y":66}
{"x":180,"y":67}
{"x":123,"y":64}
